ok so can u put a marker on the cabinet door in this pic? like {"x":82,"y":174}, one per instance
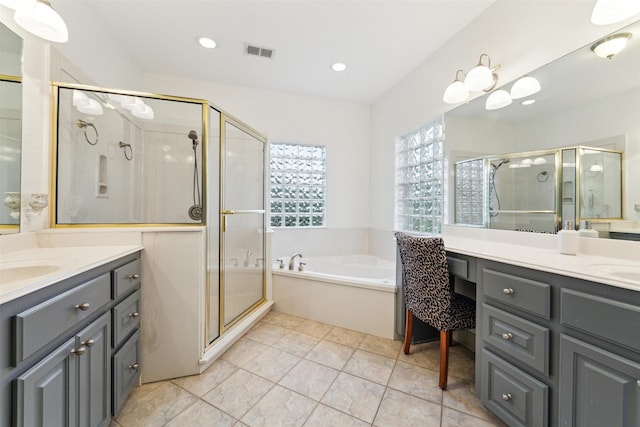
{"x":94,"y":373}
{"x":46,"y":394}
{"x":597,"y":388}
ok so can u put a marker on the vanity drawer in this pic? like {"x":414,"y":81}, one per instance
{"x":462,"y":266}
{"x":126,"y":278}
{"x":611,"y":320}
{"x":126,"y":371}
{"x":126,"y":318}
{"x":515,"y":397}
{"x":35,"y":327}
{"x":528,"y":295}
{"x":525,"y":341}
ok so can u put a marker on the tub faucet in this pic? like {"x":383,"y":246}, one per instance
{"x":292,"y":260}
{"x":246,"y":258}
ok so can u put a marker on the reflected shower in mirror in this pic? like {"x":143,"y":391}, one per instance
{"x":584,"y":100}
{"x":127,"y":159}
{"x":10,"y":129}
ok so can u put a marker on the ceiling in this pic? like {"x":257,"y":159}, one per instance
{"x":380,"y":41}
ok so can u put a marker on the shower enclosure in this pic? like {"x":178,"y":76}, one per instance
{"x":537,"y":191}
{"x":146,"y":161}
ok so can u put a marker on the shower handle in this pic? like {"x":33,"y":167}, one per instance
{"x":228,"y":212}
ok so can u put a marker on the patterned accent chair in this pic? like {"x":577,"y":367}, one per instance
{"x":429,"y":295}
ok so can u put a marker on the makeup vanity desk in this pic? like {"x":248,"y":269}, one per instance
{"x":557,"y":339}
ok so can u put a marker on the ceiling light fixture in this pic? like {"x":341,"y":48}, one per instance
{"x":498,"y":99}
{"x":457,"y":91}
{"x":611,"y":45}
{"x":607,"y":12}
{"x":338,"y":66}
{"x":206,"y":42}
{"x":525,"y":86}
{"x":481,"y":77}
{"x":39,"y":18}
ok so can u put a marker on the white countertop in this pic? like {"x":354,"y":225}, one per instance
{"x":69,"y":260}
{"x":538,"y":252}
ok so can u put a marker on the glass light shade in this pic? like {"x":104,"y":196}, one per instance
{"x":539,"y":161}
{"x":146,"y":113}
{"x":607,"y":12}
{"x":206,"y":42}
{"x":525,"y":86}
{"x":338,"y":66}
{"x":456,"y":92}
{"x":13,"y":4}
{"x":498,"y":99}
{"x":93,"y":109}
{"x":610,"y":46}
{"x":595,"y":168}
{"x":526,"y":162}
{"x":479,"y":78}
{"x":40,"y":19}
{"x":80,"y":99}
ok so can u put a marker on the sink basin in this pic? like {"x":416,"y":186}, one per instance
{"x":16,"y":272}
{"x":623,"y":271}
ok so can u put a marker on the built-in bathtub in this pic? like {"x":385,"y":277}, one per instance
{"x":355,"y":292}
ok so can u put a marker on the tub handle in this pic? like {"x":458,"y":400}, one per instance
{"x":280,"y":263}
{"x":301,"y":266}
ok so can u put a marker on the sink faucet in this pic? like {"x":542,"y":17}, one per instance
{"x":246,"y":258}
{"x":292,"y":260}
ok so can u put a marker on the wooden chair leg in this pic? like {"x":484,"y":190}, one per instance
{"x":408,"y":331}
{"x":445,"y":341}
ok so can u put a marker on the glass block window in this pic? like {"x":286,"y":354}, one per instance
{"x":298,"y":185}
{"x":469,"y":182}
{"x":419,"y":180}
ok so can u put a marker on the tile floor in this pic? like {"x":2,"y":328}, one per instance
{"x":289,"y":371}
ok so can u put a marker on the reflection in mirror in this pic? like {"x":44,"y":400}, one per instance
{"x":585,"y":101}
{"x":127,"y":159}
{"x":10,"y":129}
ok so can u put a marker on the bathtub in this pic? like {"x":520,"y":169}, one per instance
{"x":354,"y":292}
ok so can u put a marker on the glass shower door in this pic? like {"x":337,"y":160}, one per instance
{"x":242,"y":221}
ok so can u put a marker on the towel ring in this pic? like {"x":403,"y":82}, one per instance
{"x":542,"y":176}
{"x":84,"y":125}
{"x":127,"y":154}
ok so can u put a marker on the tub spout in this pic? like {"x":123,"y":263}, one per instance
{"x":292,"y":260}
{"x":246,"y":258}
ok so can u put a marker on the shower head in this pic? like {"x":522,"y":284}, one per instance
{"x":193,"y":136}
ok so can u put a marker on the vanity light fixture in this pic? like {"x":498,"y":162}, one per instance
{"x":525,"y":86}
{"x":481,"y":77}
{"x":595,"y":168}
{"x":206,"y":42}
{"x":611,"y":45}
{"x":539,"y":161}
{"x":11,"y":4}
{"x":607,"y":12}
{"x":498,"y":99}
{"x":39,"y":18}
{"x":457,"y":91}
{"x":93,"y":108}
{"x":338,"y":66}
{"x":146,"y":113}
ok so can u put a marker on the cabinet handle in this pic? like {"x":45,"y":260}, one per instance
{"x":78,"y":351}
{"x":507,"y":336}
{"x":134,"y":314}
{"x":89,"y":343}
{"x":506,"y":397}
{"x":507,"y":291}
{"x":84,"y":306}
{"x":134,"y":276}
{"x":134,"y":366}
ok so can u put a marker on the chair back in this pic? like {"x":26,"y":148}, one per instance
{"x":425,"y":277}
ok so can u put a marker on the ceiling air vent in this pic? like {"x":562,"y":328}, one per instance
{"x":258,"y":51}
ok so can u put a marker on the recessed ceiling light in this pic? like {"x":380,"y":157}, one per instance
{"x":206,"y":42}
{"x":528,"y":101}
{"x":338,"y":66}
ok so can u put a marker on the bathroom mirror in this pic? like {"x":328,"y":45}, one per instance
{"x":127,"y":158}
{"x":585,"y":100}
{"x":10,"y":129}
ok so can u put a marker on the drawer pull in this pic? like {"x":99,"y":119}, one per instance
{"x":507,"y":336}
{"x":83,"y":307}
{"x":506,"y":397}
{"x":507,"y":291}
{"x":134,"y":276}
{"x":134,"y":314}
{"x":134,"y":366}
{"x":78,"y":351}
{"x":90,"y":343}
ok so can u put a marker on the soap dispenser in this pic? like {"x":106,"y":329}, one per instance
{"x":586,"y":230}
{"x":568,"y":239}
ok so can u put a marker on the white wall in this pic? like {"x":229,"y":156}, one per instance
{"x":519,"y":35}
